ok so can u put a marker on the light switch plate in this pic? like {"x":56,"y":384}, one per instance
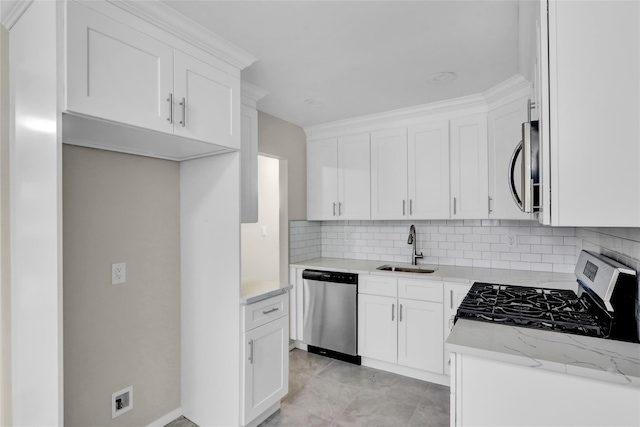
{"x":118,"y":273}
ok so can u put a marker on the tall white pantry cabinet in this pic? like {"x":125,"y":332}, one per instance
{"x":128,"y":77}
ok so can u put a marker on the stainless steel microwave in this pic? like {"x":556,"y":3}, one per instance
{"x":528,"y":196}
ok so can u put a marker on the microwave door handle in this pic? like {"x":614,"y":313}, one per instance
{"x":512,"y":182}
{"x":526,"y":168}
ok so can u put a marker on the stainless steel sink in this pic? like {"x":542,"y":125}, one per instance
{"x":405,"y":269}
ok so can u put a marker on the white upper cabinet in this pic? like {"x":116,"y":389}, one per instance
{"x":354,"y":177}
{"x":590,"y":126}
{"x":469,"y":168}
{"x":206,"y":102}
{"x":504,"y":125}
{"x":120,"y":70}
{"x":322,"y":179}
{"x":389,"y":174}
{"x":428,"y":171}
{"x":117,"y":73}
{"x":338,"y":178}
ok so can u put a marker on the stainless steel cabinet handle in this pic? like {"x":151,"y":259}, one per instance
{"x":251,"y":351}
{"x":400,"y":313}
{"x":183,"y":104}
{"x":334,"y":208}
{"x":270,"y":311}
{"x":393,"y":312}
{"x":170,"y":100}
{"x":410,"y":206}
{"x":404,"y":207}
{"x":454,"y":205}
{"x":451,"y":299}
{"x":339,"y":208}
{"x":490,"y":205}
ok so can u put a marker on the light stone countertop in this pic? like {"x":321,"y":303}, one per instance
{"x":254,"y":290}
{"x":601,"y":359}
{"x":445,"y":273}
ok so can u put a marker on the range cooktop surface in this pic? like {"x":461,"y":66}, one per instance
{"x":548,"y":309}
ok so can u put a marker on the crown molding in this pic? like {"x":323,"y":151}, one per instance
{"x":502,"y":93}
{"x":391,"y":118}
{"x":10,"y":19}
{"x":515,"y":86}
{"x":251,"y":93}
{"x":168,"y":19}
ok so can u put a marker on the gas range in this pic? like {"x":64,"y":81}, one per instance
{"x":605,"y":306}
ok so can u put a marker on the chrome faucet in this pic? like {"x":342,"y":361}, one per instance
{"x":412,"y":240}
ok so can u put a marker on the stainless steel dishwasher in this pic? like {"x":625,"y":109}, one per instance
{"x":331,"y":314}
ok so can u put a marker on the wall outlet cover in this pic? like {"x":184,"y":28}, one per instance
{"x":118,"y":273}
{"x":121,"y":401}
{"x":512,"y":241}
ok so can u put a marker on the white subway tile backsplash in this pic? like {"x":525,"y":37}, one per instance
{"x":477,"y":243}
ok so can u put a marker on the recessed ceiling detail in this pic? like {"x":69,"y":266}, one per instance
{"x":313,"y":102}
{"x":442,"y":77}
{"x":364,"y":57}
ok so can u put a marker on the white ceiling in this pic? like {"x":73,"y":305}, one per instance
{"x":364,"y":57}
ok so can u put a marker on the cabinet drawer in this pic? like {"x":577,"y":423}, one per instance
{"x":420,"y":290}
{"x":377,"y":285}
{"x":264,"y":311}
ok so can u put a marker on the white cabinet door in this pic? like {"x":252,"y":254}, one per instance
{"x":249,"y":164}
{"x":266,"y":367}
{"x":454,"y":293}
{"x":389,"y":174}
{"x":117,"y":73}
{"x":469,"y":168}
{"x":377,"y":327}
{"x":206,"y":102}
{"x":504,"y":125}
{"x":428,"y":171}
{"x":322,"y":179}
{"x":420,"y":335}
{"x":594,"y":149}
{"x":354,"y":177}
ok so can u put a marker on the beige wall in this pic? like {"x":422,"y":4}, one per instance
{"x":261,"y":254}
{"x":120,"y":208}
{"x":287,"y":141}
{"x":5,"y":283}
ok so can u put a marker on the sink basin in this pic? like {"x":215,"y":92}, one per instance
{"x":405,"y":269}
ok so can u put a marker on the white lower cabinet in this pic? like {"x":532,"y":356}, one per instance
{"x":378,"y":330}
{"x":397,"y":329}
{"x":454,"y":293}
{"x":532,"y":396}
{"x":265,"y":373}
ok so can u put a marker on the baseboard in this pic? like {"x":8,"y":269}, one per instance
{"x":407,"y":372}
{"x":167,"y":418}
{"x":300,"y":345}
{"x":266,"y":414}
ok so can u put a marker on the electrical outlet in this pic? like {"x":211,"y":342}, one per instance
{"x":121,"y":401}
{"x":513,"y":241}
{"x":118,"y":273}
{"x":347,"y":236}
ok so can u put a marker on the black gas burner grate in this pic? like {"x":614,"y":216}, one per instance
{"x":549,"y":309}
